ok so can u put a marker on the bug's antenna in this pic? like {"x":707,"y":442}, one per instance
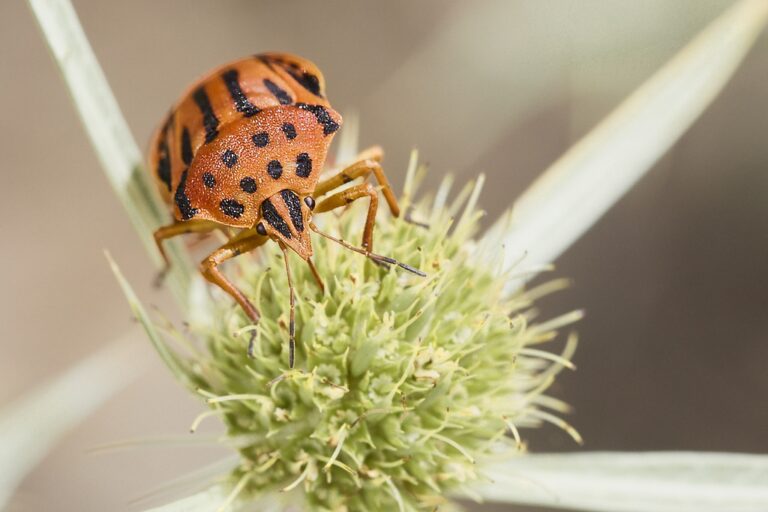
{"x":386,"y":260}
{"x":292,"y":320}
{"x":318,"y":279}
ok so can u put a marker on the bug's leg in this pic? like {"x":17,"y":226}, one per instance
{"x":175,"y":229}
{"x":377,"y":154}
{"x":292,"y":315}
{"x":209,"y":269}
{"x":345,"y":197}
{"x":316,"y":275}
{"x":362,"y":168}
{"x":371,"y":153}
{"x":377,"y":258}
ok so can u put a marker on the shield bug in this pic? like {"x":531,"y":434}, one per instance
{"x":243,"y":148}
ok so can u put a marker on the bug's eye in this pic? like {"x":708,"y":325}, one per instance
{"x":260,"y":229}
{"x":310,"y":202}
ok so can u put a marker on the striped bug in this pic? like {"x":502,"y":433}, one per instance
{"x":243,"y":148}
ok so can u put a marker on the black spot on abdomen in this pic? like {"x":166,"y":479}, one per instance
{"x":289,"y":130}
{"x":248,"y":185}
{"x":261,"y":139}
{"x":275,"y":169}
{"x":210,"y":121}
{"x":269,"y":212}
{"x":303,"y":165}
{"x":232,"y":208}
{"x":181,"y":199}
{"x":232,"y":80}
{"x":229,"y":158}
{"x":294,"y":208}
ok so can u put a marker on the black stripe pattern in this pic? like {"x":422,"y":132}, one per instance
{"x":210,"y":121}
{"x":232,"y":80}
{"x":164,"y":162}
{"x":294,"y":209}
{"x":307,"y":80}
{"x":283,"y":97}
{"x":182,"y":200}
{"x":269,"y":212}
{"x":232,"y":208}
{"x":322,"y":116}
{"x":186,"y":147}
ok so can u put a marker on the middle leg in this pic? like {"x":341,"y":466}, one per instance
{"x":209,"y":269}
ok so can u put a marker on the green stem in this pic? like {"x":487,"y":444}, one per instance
{"x":109,"y":134}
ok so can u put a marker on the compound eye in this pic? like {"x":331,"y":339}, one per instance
{"x":260,"y":229}
{"x":310,"y":202}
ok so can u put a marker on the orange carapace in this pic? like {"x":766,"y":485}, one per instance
{"x":243,"y":148}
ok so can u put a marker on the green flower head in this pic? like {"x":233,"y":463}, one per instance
{"x":402,"y":383}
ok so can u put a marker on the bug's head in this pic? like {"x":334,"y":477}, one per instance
{"x":285,"y":218}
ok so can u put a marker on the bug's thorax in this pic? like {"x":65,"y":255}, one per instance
{"x":251,"y":160}
{"x":286,"y":219}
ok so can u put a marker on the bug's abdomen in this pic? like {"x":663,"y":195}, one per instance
{"x":235,"y":91}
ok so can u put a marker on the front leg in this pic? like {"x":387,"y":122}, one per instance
{"x":345,"y":197}
{"x":362,"y":168}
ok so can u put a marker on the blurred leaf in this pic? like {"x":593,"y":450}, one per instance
{"x":624,"y":482}
{"x":31,"y":427}
{"x":108,"y":131}
{"x":584,"y":183}
{"x":205,"y":501}
{"x":216,"y":498}
{"x":169,"y":357}
{"x":473,"y":56}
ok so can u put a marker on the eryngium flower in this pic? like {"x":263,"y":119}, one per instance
{"x":402,"y":383}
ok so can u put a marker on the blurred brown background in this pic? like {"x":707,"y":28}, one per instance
{"x":674,"y":279}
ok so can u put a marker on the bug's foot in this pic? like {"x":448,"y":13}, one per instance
{"x":379,"y":263}
{"x":410,"y":220}
{"x":387,"y":261}
{"x":160,"y":277}
{"x":252,"y":345}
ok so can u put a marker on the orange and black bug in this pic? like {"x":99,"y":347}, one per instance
{"x":244,"y":147}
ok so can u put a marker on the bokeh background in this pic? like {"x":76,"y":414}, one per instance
{"x":674,"y":279}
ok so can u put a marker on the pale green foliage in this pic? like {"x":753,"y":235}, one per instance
{"x":634,"y":482}
{"x":401,"y":383}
